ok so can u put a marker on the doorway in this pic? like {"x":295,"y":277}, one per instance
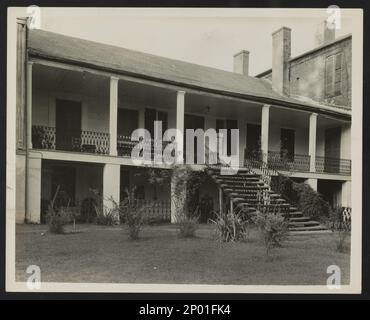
{"x":332,"y":150}
{"x":192,"y":122}
{"x":68,"y":125}
{"x":253,"y":147}
{"x":64,"y":178}
{"x":287,"y":138}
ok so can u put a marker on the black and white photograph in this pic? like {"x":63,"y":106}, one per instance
{"x":184,"y":150}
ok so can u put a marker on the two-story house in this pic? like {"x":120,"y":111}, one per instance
{"x":78,"y":102}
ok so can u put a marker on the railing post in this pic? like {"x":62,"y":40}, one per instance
{"x":265,"y":132}
{"x":113,"y":110}
{"x":312,"y":141}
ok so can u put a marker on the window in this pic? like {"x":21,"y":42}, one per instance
{"x":228,"y":125}
{"x":333,"y":75}
{"x":152,"y":115}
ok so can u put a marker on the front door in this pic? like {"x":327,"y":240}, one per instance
{"x":332,"y":150}
{"x":68,"y":125}
{"x":128,"y":121}
{"x":287,"y":137}
{"x":253,"y":140}
{"x":192,"y":122}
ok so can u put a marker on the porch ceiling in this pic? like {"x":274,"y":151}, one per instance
{"x":56,"y":79}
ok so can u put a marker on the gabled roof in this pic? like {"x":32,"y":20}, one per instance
{"x":119,"y":60}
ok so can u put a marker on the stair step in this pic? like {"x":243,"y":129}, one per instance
{"x":243,"y":187}
{"x":319,"y":227}
{"x":303,"y":223}
{"x":295,"y":215}
{"x":230,"y":186}
{"x":304,"y":232}
{"x":296,"y":219}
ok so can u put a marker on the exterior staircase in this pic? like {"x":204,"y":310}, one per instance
{"x":244,"y":190}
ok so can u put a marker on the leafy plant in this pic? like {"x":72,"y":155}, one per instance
{"x":274,"y":229}
{"x":187,"y":226}
{"x":57,"y":217}
{"x":311,"y":202}
{"x":132,"y":211}
{"x":104,"y":215}
{"x":231,"y":226}
{"x":341,"y":226}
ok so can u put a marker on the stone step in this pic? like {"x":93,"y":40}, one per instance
{"x":305,"y":232}
{"x":240,"y":182}
{"x":295,"y":214}
{"x":303,"y":223}
{"x":236,"y":178}
{"x":296,"y":219}
{"x":308,"y":228}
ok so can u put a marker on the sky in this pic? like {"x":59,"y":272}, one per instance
{"x":203,"y":36}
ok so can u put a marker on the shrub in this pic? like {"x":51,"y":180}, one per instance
{"x":57,"y":217}
{"x":105,"y":216}
{"x":310,"y":202}
{"x":274,"y":230}
{"x":285,"y":186}
{"x":187,"y":226}
{"x":341,"y":227}
{"x":132,"y":211}
{"x":231,"y":226}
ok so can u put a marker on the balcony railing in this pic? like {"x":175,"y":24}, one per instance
{"x":125,"y":146}
{"x":333,"y":165}
{"x":298,"y":162}
{"x":44,"y":137}
{"x":301,"y":163}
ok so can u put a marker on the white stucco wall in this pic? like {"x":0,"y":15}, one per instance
{"x":94,"y":110}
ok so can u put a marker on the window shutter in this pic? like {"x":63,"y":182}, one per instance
{"x":329,"y":76}
{"x":338,"y":74}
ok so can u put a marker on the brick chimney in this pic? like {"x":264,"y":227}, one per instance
{"x":241,"y":62}
{"x":281,"y":45}
{"x":325,"y":33}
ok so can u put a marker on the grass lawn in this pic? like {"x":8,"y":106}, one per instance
{"x":105,"y":254}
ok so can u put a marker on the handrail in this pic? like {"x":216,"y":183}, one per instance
{"x":266,"y":173}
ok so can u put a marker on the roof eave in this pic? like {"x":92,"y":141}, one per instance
{"x":254,"y":98}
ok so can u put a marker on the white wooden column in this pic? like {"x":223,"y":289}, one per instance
{"x":312,"y":141}
{"x":346,"y":194}
{"x":180,"y":115}
{"x":221,"y":200}
{"x":33,"y":190}
{"x":111,"y":185}
{"x":113,"y":110}
{"x":29,"y":104}
{"x":265,"y":121}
